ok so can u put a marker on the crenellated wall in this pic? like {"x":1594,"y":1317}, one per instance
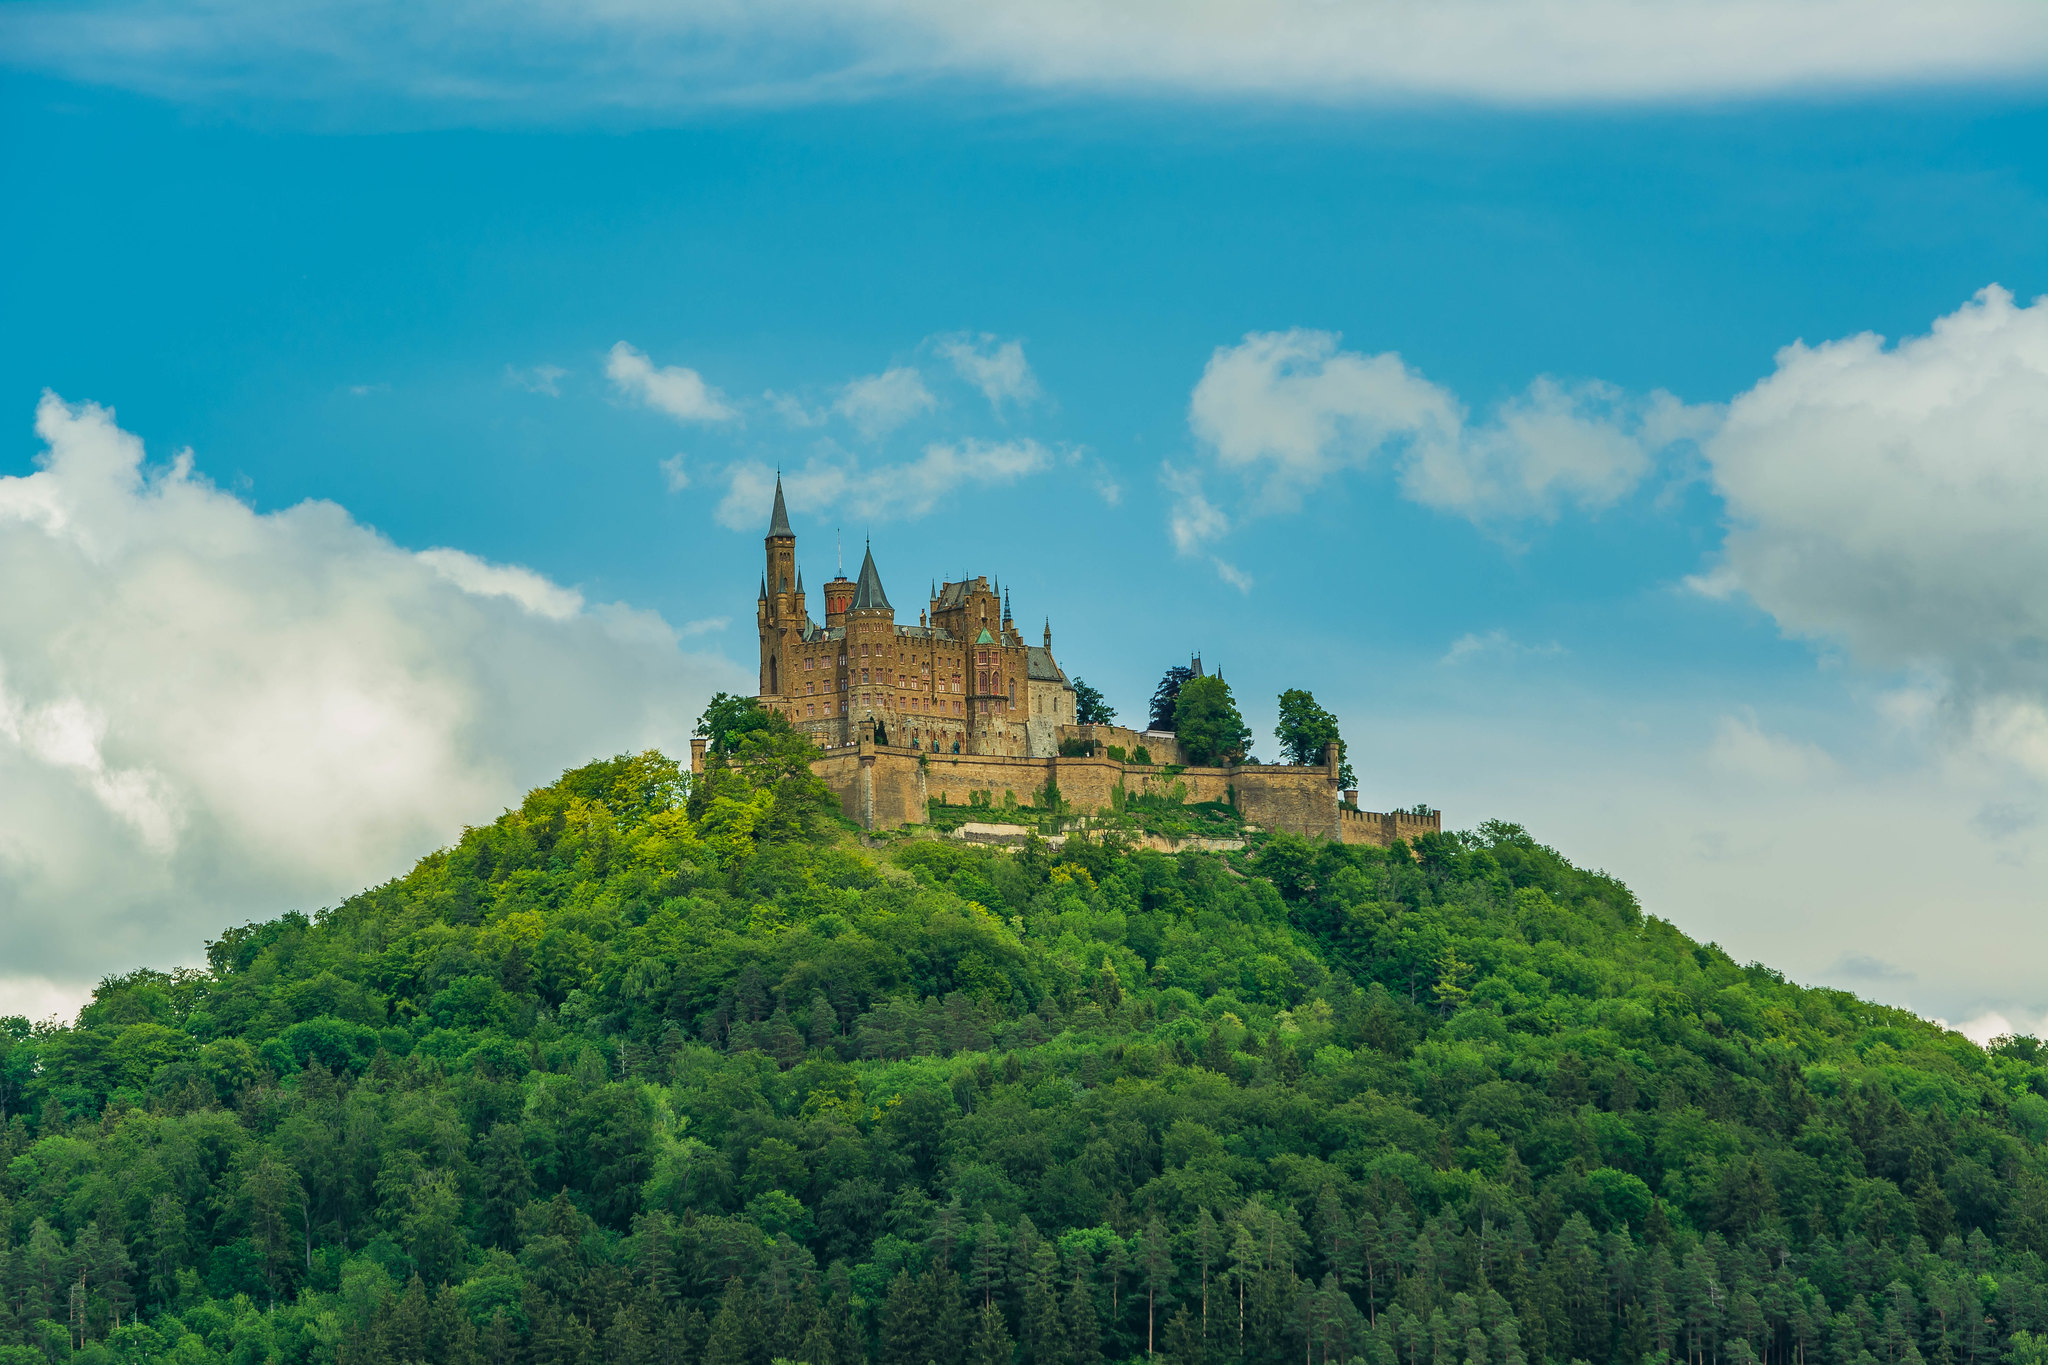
{"x":1372,"y":827}
{"x":883,"y":787}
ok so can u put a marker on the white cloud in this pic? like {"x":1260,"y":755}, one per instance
{"x":523,"y":60}
{"x":541,"y":379}
{"x":1587,"y":444}
{"x":675,"y":474}
{"x":1195,"y":522}
{"x":996,"y":367}
{"x":1287,"y":410}
{"x":877,"y":404}
{"x":483,"y":579}
{"x":674,"y":389}
{"x":1292,"y":408}
{"x":209,"y":713}
{"x":1891,"y":500}
{"x":881,"y":492}
{"x":1744,"y":751}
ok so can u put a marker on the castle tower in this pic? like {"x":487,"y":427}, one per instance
{"x":781,"y":604}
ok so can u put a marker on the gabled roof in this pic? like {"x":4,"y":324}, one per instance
{"x":984,"y":638}
{"x":867,"y":593}
{"x":778,"y":524}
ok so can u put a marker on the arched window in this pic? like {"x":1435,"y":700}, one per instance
{"x":773,"y":686}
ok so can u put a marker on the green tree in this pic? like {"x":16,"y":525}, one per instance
{"x":1166,"y":696}
{"x":1306,"y":731}
{"x":1205,"y":716}
{"x":992,"y":1345}
{"x":1089,"y":707}
{"x":729,"y":719}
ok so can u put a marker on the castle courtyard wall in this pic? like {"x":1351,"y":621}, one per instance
{"x":885,"y":787}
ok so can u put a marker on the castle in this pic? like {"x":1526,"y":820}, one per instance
{"x":959,"y":709}
{"x":960,"y":681}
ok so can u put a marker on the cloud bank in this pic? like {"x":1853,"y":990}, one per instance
{"x":1891,"y":500}
{"x":209,"y":713}
{"x":650,"y":60}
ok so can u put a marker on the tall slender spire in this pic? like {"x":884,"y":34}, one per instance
{"x":778,"y":523}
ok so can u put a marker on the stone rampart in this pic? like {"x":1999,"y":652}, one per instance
{"x":881,"y":786}
{"x":1161,"y":747}
{"x":1373,"y":827}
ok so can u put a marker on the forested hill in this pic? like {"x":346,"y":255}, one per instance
{"x":650,"y":1070}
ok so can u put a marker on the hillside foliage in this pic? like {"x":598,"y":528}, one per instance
{"x":662,"y":1070}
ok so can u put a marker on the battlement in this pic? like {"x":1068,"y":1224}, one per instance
{"x":885,"y":786}
{"x":1374,"y":827}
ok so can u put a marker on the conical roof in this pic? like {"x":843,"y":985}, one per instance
{"x":867,"y":592}
{"x":778,"y":524}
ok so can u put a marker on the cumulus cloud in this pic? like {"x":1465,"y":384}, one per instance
{"x":877,"y":404}
{"x":518,"y":60}
{"x":1890,"y":500}
{"x":994,"y":366}
{"x":675,"y":473}
{"x":901,"y":491}
{"x":674,"y":389}
{"x":1287,"y":410}
{"x":209,"y":713}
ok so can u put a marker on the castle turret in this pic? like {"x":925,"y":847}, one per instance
{"x":781,"y":603}
{"x":867,"y":592}
{"x":780,"y":544}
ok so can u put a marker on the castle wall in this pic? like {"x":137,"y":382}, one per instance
{"x":885,"y":787}
{"x":1373,"y":827}
{"x":1299,"y":800}
{"x":1162,"y":746}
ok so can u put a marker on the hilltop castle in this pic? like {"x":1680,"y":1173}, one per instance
{"x":960,"y":681}
{"x":959,"y":709}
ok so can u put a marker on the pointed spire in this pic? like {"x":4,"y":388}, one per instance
{"x":778,"y":524}
{"x":867,"y":592}
{"x":764,"y":588}
{"x":799,"y":581}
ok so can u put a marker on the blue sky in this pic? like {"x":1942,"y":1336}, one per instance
{"x":1490,"y":525}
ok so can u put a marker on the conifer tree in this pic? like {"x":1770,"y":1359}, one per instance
{"x":730,"y":1341}
{"x":1155,"y":1271}
{"x":1083,"y":1323}
{"x":904,"y":1326}
{"x":1182,"y":1342}
{"x":991,"y":1344}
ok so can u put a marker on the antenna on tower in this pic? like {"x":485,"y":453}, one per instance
{"x":838,"y":553}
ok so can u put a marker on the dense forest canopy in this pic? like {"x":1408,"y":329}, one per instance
{"x":654,"y":1069}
